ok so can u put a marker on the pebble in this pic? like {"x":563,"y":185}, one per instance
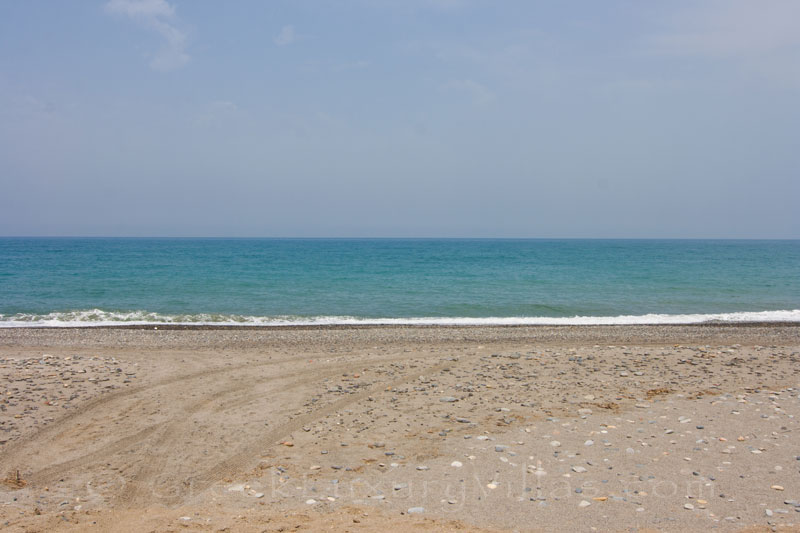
{"x":667,"y":460}
{"x":414,"y":510}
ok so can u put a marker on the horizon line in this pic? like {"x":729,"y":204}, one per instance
{"x":226,"y":237}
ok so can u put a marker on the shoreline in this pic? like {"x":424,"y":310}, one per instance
{"x":204,"y":327}
{"x":210,"y":339}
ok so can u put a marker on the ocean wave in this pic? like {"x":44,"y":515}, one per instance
{"x":98,"y":317}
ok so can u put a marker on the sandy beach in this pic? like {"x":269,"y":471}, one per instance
{"x":610,"y":428}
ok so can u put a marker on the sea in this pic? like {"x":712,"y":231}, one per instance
{"x":61,"y":282}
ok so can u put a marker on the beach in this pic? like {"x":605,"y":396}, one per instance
{"x":581,"y":428}
{"x":425,"y":266}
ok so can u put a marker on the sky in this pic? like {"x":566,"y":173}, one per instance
{"x":400,"y":118}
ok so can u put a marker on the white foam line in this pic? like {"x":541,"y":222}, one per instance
{"x":97,"y":317}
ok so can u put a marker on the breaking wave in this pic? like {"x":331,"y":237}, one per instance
{"x":98,"y":317}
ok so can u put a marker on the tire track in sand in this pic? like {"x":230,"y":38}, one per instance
{"x":246,"y":458}
{"x":141,"y":487}
{"x":17,"y":453}
{"x":162,"y":430}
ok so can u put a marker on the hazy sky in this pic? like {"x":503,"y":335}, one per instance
{"x":460,"y":118}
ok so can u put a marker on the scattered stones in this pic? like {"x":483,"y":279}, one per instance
{"x":630,"y":454}
{"x":36,"y":390}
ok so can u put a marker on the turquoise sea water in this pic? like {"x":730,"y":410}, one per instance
{"x":68,"y":281}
